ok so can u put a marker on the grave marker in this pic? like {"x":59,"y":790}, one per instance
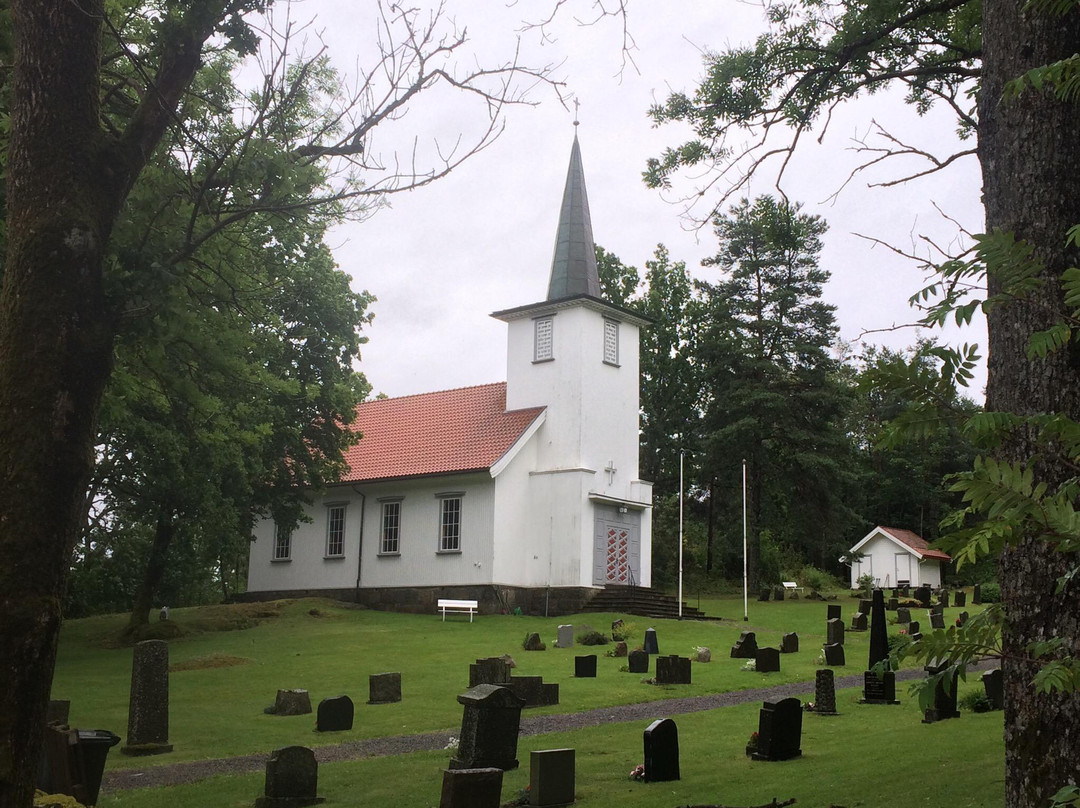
{"x":745,"y":647}
{"x":960,"y":599}
{"x":489,"y":671}
{"x":976,"y":595}
{"x":551,"y":777}
{"x":661,"y":739}
{"x":944,"y":694}
{"x":903,"y":615}
{"x":290,"y":702}
{"x":148,"y":705}
{"x":858,"y":622}
{"x":638,"y":661}
{"x":834,"y":655}
{"x":779,"y":730}
{"x":994,"y":687}
{"x":585,"y":666}
{"x":650,"y":645}
{"x":292,"y":779}
{"x":490,"y":719}
{"x":672,"y":670}
{"x":471,"y":788}
{"x":565,"y":637}
{"x":620,"y":648}
{"x":835,"y":612}
{"x":384,"y":688}
{"x":937,"y":621}
{"x":824,"y":692}
{"x":334,"y":715}
{"x":789,"y":643}
{"x":767,"y":661}
{"x":834,"y":632}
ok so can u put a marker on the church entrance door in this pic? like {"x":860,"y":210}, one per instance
{"x":617,"y":552}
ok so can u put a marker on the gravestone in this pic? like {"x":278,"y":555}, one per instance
{"x":533,"y":643}
{"x":763,"y":594}
{"x":551,"y":777}
{"x":938,"y":608}
{"x":824,"y":692}
{"x":704,"y":654}
{"x":879,"y":632}
{"x":650,"y":645}
{"x":620,"y":648}
{"x":384,"y":688}
{"x":789,"y":643}
{"x":490,"y":719}
{"x":534,"y":690}
{"x":893,"y":604}
{"x":585,"y":666}
{"x":937,"y":621}
{"x":779,"y":730}
{"x":834,"y":632}
{"x":913,"y":628}
{"x":994,"y":687}
{"x":292,"y":779}
{"x":638,"y":661}
{"x":835,"y":612}
{"x":778,"y":593}
{"x":903,"y":615}
{"x":904,"y":591}
{"x":767,"y":661}
{"x":661,"y":740}
{"x":976,"y":595}
{"x":148,"y":705}
{"x":961,"y":618}
{"x":672,"y":670}
{"x":943,"y":598}
{"x":866,"y":604}
{"x":944,"y":694}
{"x":834,"y":655}
{"x":565,"y":638}
{"x":489,"y":671}
{"x":58,"y":711}
{"x":858,"y":622}
{"x":471,"y":788}
{"x":922,"y":594}
{"x":334,"y":715}
{"x":745,"y":647}
{"x":290,"y":702}
{"x":879,"y":689}
{"x":960,"y":599}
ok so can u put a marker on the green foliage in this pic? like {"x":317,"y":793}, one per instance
{"x":990,"y":592}
{"x":975,"y":702}
{"x":865,"y":583}
{"x":624,"y":632}
{"x":592,"y":638}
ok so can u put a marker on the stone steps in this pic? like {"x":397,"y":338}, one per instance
{"x":641,"y":601}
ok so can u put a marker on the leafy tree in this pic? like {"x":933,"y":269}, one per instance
{"x":94,"y":92}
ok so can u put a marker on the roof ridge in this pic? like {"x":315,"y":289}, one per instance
{"x":433,"y":392}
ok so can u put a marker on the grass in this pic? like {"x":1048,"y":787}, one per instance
{"x":222,"y":680}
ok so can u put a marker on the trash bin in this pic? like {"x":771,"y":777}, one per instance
{"x":91,"y":750}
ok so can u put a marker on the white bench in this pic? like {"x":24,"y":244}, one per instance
{"x":458,"y":607}
{"x":791,"y":586}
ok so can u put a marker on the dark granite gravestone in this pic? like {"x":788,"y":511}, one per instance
{"x":551,"y":777}
{"x":824,"y":692}
{"x":994,"y":687}
{"x":763,"y":594}
{"x":789,"y":643}
{"x":879,"y":631}
{"x":585,"y":666}
{"x":893,"y":604}
{"x":638,"y":661}
{"x":943,"y":597}
{"x":904,"y":591}
{"x":672,"y":670}
{"x":879,"y":689}
{"x":767,"y":661}
{"x":938,"y":608}
{"x":834,"y":632}
{"x":779,"y":730}
{"x":834,"y":655}
{"x":534,"y":690}
{"x":745,"y":647}
{"x":620,"y":648}
{"x":976,"y":595}
{"x":866,"y":604}
{"x":650,"y":645}
{"x":922,"y":594}
{"x":903,"y":615}
{"x":835,"y":612}
{"x":290,"y":702}
{"x":661,"y":751}
{"x":937,"y":621}
{"x":961,"y":618}
{"x":913,"y":628}
{"x":960,"y":599}
{"x":292,"y":779}
{"x":148,"y":705}
{"x":334,"y":715}
{"x":915,"y":636}
{"x":778,"y":593}
{"x":489,"y":671}
{"x":384,"y":688}
{"x":533,"y":643}
{"x":471,"y":788}
{"x":565,"y":638}
{"x":944,"y":694}
{"x":490,"y":720}
{"x":858,"y":622}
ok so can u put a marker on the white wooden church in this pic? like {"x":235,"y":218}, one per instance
{"x":523,"y":493}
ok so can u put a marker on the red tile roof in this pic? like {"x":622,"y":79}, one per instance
{"x":451,"y":431}
{"x":915,"y":542}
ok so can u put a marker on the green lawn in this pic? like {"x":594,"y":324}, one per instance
{"x":217,"y":711}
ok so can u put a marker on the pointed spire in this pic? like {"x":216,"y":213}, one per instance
{"x":573,"y":268}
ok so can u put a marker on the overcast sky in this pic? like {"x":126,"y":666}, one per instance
{"x":442,"y":258}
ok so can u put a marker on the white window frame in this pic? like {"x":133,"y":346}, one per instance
{"x":450,"y":521}
{"x":335,"y":529}
{"x":611,"y":357}
{"x":388,"y":505}
{"x":282,"y":550}
{"x":544,"y":349}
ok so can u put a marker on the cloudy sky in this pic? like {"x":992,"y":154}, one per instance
{"x":440,"y":259}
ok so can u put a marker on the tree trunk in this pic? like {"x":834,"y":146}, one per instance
{"x":55,"y":354}
{"x":1030,"y":152}
{"x":153,"y":572}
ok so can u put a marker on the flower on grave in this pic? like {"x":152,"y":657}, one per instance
{"x":753,"y":742}
{"x":959,"y":622}
{"x":750,"y":665}
{"x":452,"y":743}
{"x":903,"y":631}
{"x":638,"y":772}
{"x":809,"y":706}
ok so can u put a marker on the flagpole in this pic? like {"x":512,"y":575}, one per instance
{"x":745,"y":598}
{"x":681,"y":453}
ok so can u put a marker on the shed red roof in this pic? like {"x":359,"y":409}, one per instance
{"x":915,"y":542}
{"x":448,"y":432}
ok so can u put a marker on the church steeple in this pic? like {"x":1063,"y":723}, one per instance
{"x":573,"y":268}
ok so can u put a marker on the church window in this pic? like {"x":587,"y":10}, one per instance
{"x":335,"y":530}
{"x":450,"y":523}
{"x":611,"y":342}
{"x":282,"y":542}
{"x":543,"y":347}
{"x":390,"y":534}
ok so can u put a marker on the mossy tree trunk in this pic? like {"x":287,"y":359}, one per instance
{"x":1030,"y":153}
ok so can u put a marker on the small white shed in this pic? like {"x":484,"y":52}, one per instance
{"x":895,"y":557}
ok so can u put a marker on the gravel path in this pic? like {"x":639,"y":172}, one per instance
{"x":180,"y":773}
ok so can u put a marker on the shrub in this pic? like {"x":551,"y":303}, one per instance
{"x":991,"y":593}
{"x":976,"y":702}
{"x":865,"y":583}
{"x":592,"y":638}
{"x":819,"y":580}
{"x":624,"y":632}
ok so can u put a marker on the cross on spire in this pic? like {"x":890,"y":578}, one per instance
{"x":577,"y":105}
